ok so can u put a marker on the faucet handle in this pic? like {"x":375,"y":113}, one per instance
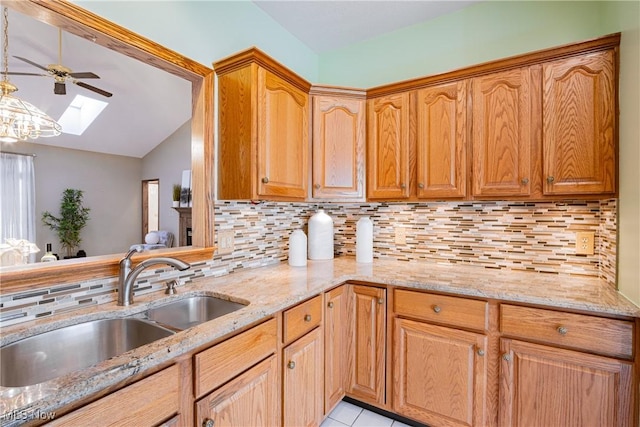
{"x":171,"y":287}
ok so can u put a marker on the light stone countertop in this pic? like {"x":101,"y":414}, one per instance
{"x":271,"y":289}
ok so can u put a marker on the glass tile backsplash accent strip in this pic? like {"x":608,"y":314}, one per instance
{"x":528,"y":236}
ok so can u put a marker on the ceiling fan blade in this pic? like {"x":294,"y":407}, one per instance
{"x":59,"y":88}
{"x":85,"y":75}
{"x":27,"y":74}
{"x":94,"y":89}
{"x":32,"y":63}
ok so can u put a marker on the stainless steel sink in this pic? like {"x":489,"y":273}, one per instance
{"x":55,"y":353}
{"x":188,"y":312}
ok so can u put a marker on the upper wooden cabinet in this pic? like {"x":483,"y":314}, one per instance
{"x":338,"y":143}
{"x":263,"y":129}
{"x":441,"y":138}
{"x":389,"y":140}
{"x":502,"y":136}
{"x":579,"y":132}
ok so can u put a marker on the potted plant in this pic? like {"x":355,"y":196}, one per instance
{"x":177,"y":189}
{"x":73,"y":218}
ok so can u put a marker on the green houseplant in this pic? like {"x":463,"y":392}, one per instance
{"x":73,"y":218}
{"x":176,"y":195}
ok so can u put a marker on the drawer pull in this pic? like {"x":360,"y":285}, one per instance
{"x":380,"y":300}
{"x":506,"y":357}
{"x":265,"y":180}
{"x":437,"y":309}
{"x":480,"y":352}
{"x":562,"y":330}
{"x":330,"y":304}
{"x":317,"y":186}
{"x":307,"y":318}
{"x":291,"y":364}
{"x":208,"y":422}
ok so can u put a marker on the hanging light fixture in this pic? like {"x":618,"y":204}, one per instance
{"x":19,"y":120}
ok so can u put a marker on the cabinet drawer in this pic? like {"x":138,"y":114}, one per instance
{"x":455,"y":311}
{"x":577,"y":331}
{"x":301,"y":319}
{"x":147,"y":402}
{"x":222,"y":362}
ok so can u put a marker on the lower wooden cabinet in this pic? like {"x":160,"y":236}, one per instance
{"x":367,"y":382}
{"x":440,"y":374}
{"x":252,"y":399}
{"x":148,"y":402}
{"x":337,"y":345}
{"x":546,"y":386}
{"x":302,"y":377}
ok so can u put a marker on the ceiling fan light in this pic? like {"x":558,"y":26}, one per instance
{"x":20,"y":120}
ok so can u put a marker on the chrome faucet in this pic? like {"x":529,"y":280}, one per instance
{"x":127,"y":276}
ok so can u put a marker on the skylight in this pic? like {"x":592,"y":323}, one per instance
{"x":80,"y":114}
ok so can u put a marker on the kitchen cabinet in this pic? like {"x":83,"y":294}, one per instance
{"x":440,"y":371}
{"x":389,"y":141}
{"x":502,"y":134}
{"x":303,"y":364}
{"x":441,"y":138}
{"x":149,"y":401}
{"x":555,"y":372}
{"x":263,"y":129}
{"x":252,"y":399}
{"x":367,"y":379}
{"x":337,"y":346}
{"x":338,"y":143}
{"x":579,"y":131}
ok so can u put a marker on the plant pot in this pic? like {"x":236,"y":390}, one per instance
{"x":176,"y":203}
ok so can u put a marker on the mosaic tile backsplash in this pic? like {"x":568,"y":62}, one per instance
{"x":537,"y":237}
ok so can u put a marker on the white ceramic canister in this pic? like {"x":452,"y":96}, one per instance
{"x":320,"y":236}
{"x":298,"y":249}
{"x":364,"y":240}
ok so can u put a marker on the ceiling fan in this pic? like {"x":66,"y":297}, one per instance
{"x":62,"y":74}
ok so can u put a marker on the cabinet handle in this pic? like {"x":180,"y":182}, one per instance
{"x":480,"y":352}
{"x":291,"y":364}
{"x":330,"y":304}
{"x":506,"y":357}
{"x":437,"y":309}
{"x":307,"y":318}
{"x":525,"y":181}
{"x":208,"y":422}
{"x":420,"y":185}
{"x":550,"y":179}
{"x":380,"y":301}
{"x":265,"y":180}
{"x":317,"y":186}
{"x":403,"y":186}
{"x":562,"y":330}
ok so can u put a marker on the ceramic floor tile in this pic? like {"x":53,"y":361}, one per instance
{"x":345,"y":412}
{"x":371,"y":419}
{"x":330,"y":422}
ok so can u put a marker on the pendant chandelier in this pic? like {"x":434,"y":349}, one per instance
{"x":19,"y":120}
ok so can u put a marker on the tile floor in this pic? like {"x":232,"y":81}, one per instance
{"x":348,"y":414}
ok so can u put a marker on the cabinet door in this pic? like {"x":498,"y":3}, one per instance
{"x":367,"y":381}
{"x":502,"y":134}
{"x":303,"y":381}
{"x":440,"y":374}
{"x":338,"y":147}
{"x":579,"y":125}
{"x":544,"y":386}
{"x":441,"y":140}
{"x":283,"y":138}
{"x":337,"y":346}
{"x":257,"y":389}
{"x":389,"y":140}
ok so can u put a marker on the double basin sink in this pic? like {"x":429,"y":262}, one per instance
{"x":61,"y":351}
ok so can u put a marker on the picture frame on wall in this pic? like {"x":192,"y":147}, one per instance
{"x":185,"y":193}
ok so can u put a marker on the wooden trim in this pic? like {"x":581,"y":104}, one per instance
{"x":78,"y":21}
{"x":255,"y":55}
{"x":606,"y":42}
{"x":343,"y":92}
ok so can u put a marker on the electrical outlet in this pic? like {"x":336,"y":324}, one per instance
{"x":225,"y":242}
{"x":401,"y":236}
{"x":585,"y":241}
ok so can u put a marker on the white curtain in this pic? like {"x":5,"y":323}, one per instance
{"x":17,"y":197}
